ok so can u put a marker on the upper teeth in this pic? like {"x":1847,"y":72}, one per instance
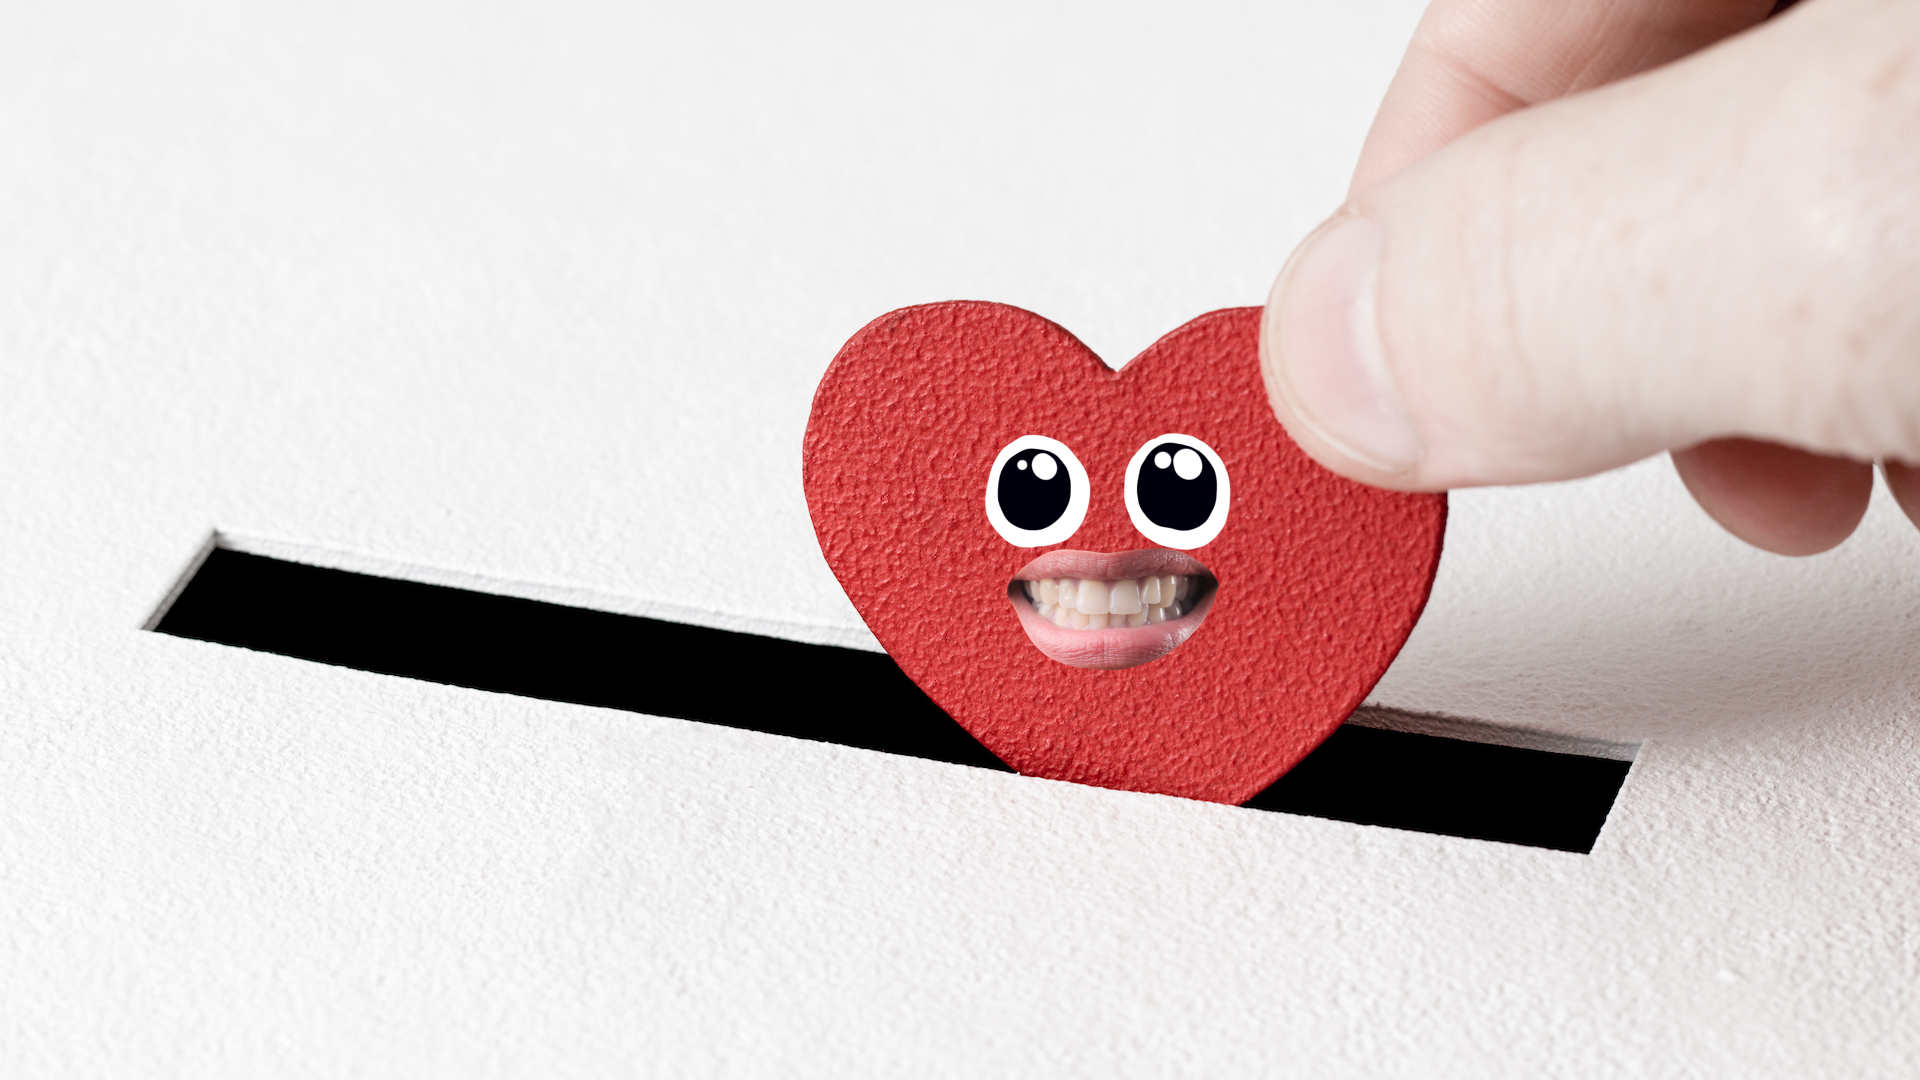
{"x":1089,"y":604}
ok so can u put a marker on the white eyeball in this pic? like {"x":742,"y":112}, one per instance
{"x":1177,"y":492}
{"x":1037,"y":492}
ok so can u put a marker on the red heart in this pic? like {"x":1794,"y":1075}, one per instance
{"x":1320,"y":579}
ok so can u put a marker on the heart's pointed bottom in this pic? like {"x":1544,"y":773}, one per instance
{"x":1147,"y":603}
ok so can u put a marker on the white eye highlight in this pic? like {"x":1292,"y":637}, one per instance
{"x":1177,"y":492}
{"x":1037,"y":492}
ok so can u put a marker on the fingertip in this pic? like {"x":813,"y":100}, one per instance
{"x":1904,"y":482}
{"x":1326,"y":375}
{"x":1778,"y":498}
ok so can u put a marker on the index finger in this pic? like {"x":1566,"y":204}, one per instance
{"x":1472,"y":61}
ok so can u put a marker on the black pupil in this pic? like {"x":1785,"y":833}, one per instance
{"x":1028,"y":501}
{"x":1173,"y":501}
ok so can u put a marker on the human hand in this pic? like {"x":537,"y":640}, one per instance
{"x":1582,"y":233}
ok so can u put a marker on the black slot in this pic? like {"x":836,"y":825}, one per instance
{"x":1452,"y":787}
{"x":541,"y":650}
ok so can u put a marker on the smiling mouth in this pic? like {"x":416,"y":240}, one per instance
{"x":1096,"y":610}
{"x":1094,"y":604}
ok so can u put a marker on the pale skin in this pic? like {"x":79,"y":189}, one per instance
{"x":1586,"y":231}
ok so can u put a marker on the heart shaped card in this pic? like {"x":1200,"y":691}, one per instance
{"x":1130,"y":578}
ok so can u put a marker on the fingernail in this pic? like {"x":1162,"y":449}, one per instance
{"x":1323,"y":355}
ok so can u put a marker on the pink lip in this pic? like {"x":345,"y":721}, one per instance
{"x":1115,"y":647}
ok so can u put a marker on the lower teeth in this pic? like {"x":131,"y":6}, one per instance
{"x":1089,"y":604}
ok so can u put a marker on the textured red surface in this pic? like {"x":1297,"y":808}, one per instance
{"x":1321,"y":579}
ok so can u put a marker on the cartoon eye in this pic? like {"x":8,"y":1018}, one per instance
{"x":1177,"y":492}
{"x":1037,"y":492}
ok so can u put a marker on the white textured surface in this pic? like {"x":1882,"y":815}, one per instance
{"x":538,"y":294}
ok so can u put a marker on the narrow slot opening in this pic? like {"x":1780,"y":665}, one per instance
{"x":1382,"y":768}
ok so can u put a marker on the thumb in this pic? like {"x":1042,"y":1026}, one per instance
{"x":1727,"y":246}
